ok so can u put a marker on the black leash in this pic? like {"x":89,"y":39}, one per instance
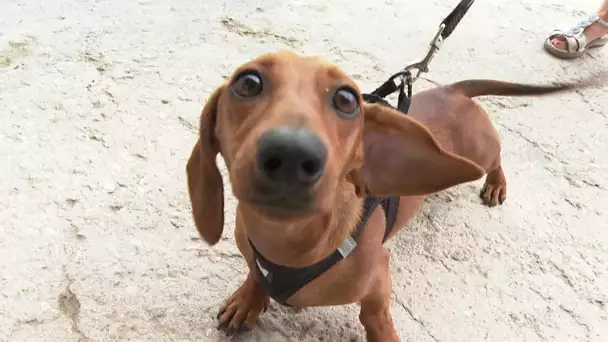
{"x":455,"y":17}
{"x":406,"y":76}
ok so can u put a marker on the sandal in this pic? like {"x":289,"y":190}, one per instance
{"x":575,"y":39}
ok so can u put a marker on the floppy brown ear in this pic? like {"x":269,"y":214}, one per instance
{"x":205,"y":185}
{"x":403,"y":159}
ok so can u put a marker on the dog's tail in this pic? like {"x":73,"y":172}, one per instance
{"x":480,"y":87}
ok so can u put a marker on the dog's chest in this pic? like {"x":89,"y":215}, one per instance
{"x":282,"y":282}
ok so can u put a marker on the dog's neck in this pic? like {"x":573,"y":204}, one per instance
{"x":305,"y":242}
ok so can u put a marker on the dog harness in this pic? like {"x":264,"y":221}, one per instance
{"x":282,"y":282}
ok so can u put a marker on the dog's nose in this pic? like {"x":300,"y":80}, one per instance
{"x":291,"y":155}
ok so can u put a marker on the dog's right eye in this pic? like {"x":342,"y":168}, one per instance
{"x":248,"y":84}
{"x":346,"y":102}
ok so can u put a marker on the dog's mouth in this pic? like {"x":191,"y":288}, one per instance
{"x":281,"y":200}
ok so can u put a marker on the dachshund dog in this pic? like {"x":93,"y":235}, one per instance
{"x":323,"y":179}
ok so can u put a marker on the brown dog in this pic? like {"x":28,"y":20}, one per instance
{"x":305,"y":153}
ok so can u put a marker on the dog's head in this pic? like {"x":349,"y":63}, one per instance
{"x":291,"y":129}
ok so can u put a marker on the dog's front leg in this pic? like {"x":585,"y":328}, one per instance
{"x":241,"y":310}
{"x":375,"y":308}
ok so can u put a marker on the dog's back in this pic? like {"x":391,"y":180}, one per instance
{"x":462,"y":126}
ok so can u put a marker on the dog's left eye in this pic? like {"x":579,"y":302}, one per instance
{"x":346,"y":102}
{"x":248,"y":84}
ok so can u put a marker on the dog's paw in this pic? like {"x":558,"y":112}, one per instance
{"x":493,"y":194}
{"x":241,"y":310}
{"x":494,"y":189}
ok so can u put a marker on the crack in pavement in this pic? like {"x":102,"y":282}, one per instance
{"x":570,"y":312}
{"x":69,"y":305}
{"x":586,"y":100}
{"x":576,"y":318}
{"x":532,"y":142}
{"x":562,"y":275}
{"x":415,"y":319}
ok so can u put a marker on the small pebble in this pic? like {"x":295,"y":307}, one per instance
{"x":109,"y":188}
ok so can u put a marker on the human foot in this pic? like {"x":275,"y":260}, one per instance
{"x":589,"y":33}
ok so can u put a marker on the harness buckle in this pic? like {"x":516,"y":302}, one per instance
{"x":347,"y":246}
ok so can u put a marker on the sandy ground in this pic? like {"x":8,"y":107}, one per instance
{"x":99,"y":102}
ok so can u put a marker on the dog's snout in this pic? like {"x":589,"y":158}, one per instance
{"x":291,"y":155}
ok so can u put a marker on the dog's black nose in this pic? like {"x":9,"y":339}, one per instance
{"x":292,"y":156}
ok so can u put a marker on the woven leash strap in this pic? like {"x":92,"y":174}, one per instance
{"x":452,"y":20}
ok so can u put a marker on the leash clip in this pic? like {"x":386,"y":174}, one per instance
{"x":423,"y":66}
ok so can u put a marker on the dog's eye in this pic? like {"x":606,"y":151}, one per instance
{"x":346,"y":102}
{"x":248,"y":84}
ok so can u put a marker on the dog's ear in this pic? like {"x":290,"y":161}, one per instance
{"x":205,"y":185}
{"x":403,"y":159}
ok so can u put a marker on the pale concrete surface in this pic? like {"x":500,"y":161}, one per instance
{"x":99,"y":102}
